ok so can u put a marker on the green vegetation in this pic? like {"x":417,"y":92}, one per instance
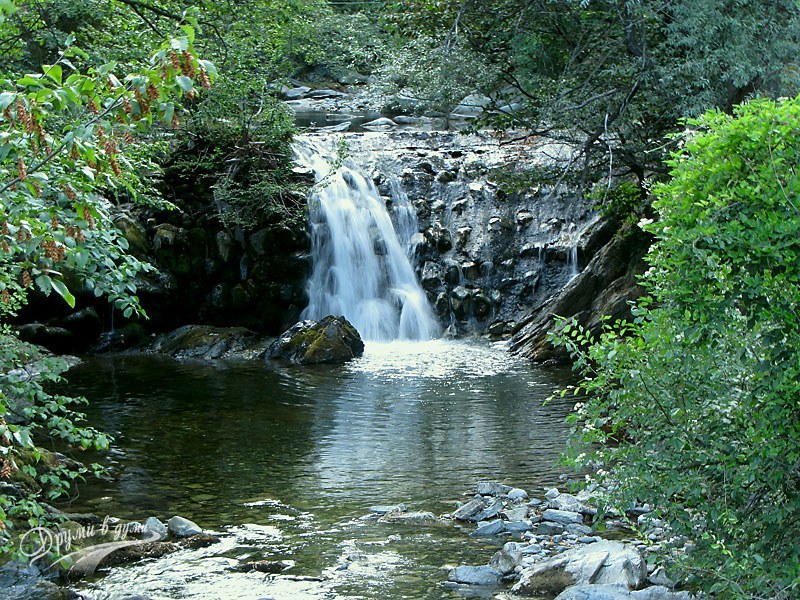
{"x":694,"y":405}
{"x":70,"y":145}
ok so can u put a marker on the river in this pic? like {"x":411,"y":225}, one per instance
{"x":284,"y":463}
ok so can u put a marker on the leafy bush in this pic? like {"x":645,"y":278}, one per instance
{"x":71,"y":142}
{"x":694,"y":406}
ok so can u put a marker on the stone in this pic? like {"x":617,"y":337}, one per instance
{"x":552,"y":493}
{"x":571,"y":503}
{"x":135,"y":233}
{"x":660,"y":577}
{"x":562,"y":516}
{"x":202,"y":342}
{"x":491,"y":510}
{"x":599,"y":563}
{"x":380,"y":124}
{"x":518,"y":526}
{"x":470,"y":106}
{"x":620,"y":592}
{"x":266,"y":566}
{"x":181,"y":527}
{"x":409,"y":518}
{"x":517,"y":494}
{"x":495,"y":527}
{"x":432,"y":274}
{"x":156,"y":526}
{"x":325,"y":93}
{"x":482,"y":575}
{"x":467,"y":512}
{"x":515,"y":514}
{"x":504,"y":562}
{"x":492,"y":488}
{"x":578,"y":529}
{"x":549,"y":528}
{"x":331,"y":340}
{"x":524,"y":217}
{"x":387,"y":508}
{"x":295,"y":93}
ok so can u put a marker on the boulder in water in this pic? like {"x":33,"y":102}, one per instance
{"x":332,"y":340}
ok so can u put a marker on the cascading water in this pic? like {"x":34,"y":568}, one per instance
{"x":361,"y":270}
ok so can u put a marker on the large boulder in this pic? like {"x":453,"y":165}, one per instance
{"x":332,"y":340}
{"x":620,"y":592}
{"x":600,"y":563}
{"x":207,"y":343}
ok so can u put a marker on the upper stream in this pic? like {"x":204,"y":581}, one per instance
{"x":285,"y":462}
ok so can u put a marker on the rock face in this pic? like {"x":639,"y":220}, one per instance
{"x":620,"y":592}
{"x":484,"y":254}
{"x":604,"y":287}
{"x":331,"y":340}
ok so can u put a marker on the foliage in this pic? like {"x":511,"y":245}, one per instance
{"x":236,"y":147}
{"x":434,"y":74}
{"x":694,"y":406}
{"x":611,"y":77}
{"x":72,"y":143}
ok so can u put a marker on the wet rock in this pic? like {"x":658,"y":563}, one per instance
{"x":156,"y":526}
{"x":470,"y":106}
{"x":295,"y":93}
{"x":517,"y":495}
{"x":492,"y":488}
{"x":471,"y":270}
{"x":562,"y":516}
{"x":332,"y":340}
{"x":387,"y":508}
{"x":325,"y":93}
{"x":200,"y":540}
{"x":604,"y":288}
{"x":468,"y":511}
{"x":266,"y":566}
{"x":55,"y":339}
{"x":495,"y":527}
{"x":549,"y":528}
{"x":505,"y":562}
{"x":432,"y":273}
{"x":204,"y":342}
{"x":491,"y":510}
{"x":620,"y":592}
{"x":416,"y":518}
{"x":482,"y":575}
{"x":181,"y":527}
{"x":518,"y":526}
{"x":599,"y":563}
{"x":85,"y":324}
{"x":135,"y":234}
{"x":497,"y":328}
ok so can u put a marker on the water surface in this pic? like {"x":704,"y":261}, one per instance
{"x":285,"y":462}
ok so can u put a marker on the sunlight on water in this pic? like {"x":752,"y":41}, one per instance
{"x":435,"y":359}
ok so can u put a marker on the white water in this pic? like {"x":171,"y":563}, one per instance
{"x":361,"y":270}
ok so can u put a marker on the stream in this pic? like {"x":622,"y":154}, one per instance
{"x":284,"y":463}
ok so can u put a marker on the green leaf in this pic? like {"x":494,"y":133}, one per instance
{"x":61,"y":289}
{"x":54,"y":72}
{"x":185,"y":83}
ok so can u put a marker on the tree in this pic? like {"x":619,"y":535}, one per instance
{"x":75,"y":137}
{"x":695,"y":404}
{"x":614,"y":77}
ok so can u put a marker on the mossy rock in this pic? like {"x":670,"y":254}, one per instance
{"x":332,"y":340}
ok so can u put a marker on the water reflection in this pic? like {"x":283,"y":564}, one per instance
{"x":286,"y":460}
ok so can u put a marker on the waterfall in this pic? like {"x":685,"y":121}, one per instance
{"x":360,"y":268}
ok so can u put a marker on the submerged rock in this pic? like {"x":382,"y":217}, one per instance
{"x":332,"y":340}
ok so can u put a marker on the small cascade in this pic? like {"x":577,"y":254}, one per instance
{"x":361,"y":270}
{"x":572,"y":262}
{"x":405,"y":217}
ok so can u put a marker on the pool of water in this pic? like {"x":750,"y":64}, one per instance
{"x":284,"y":463}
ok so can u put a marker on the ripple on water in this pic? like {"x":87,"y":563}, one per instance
{"x":285,"y":461}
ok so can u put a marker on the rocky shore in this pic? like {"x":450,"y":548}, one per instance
{"x":553,"y":548}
